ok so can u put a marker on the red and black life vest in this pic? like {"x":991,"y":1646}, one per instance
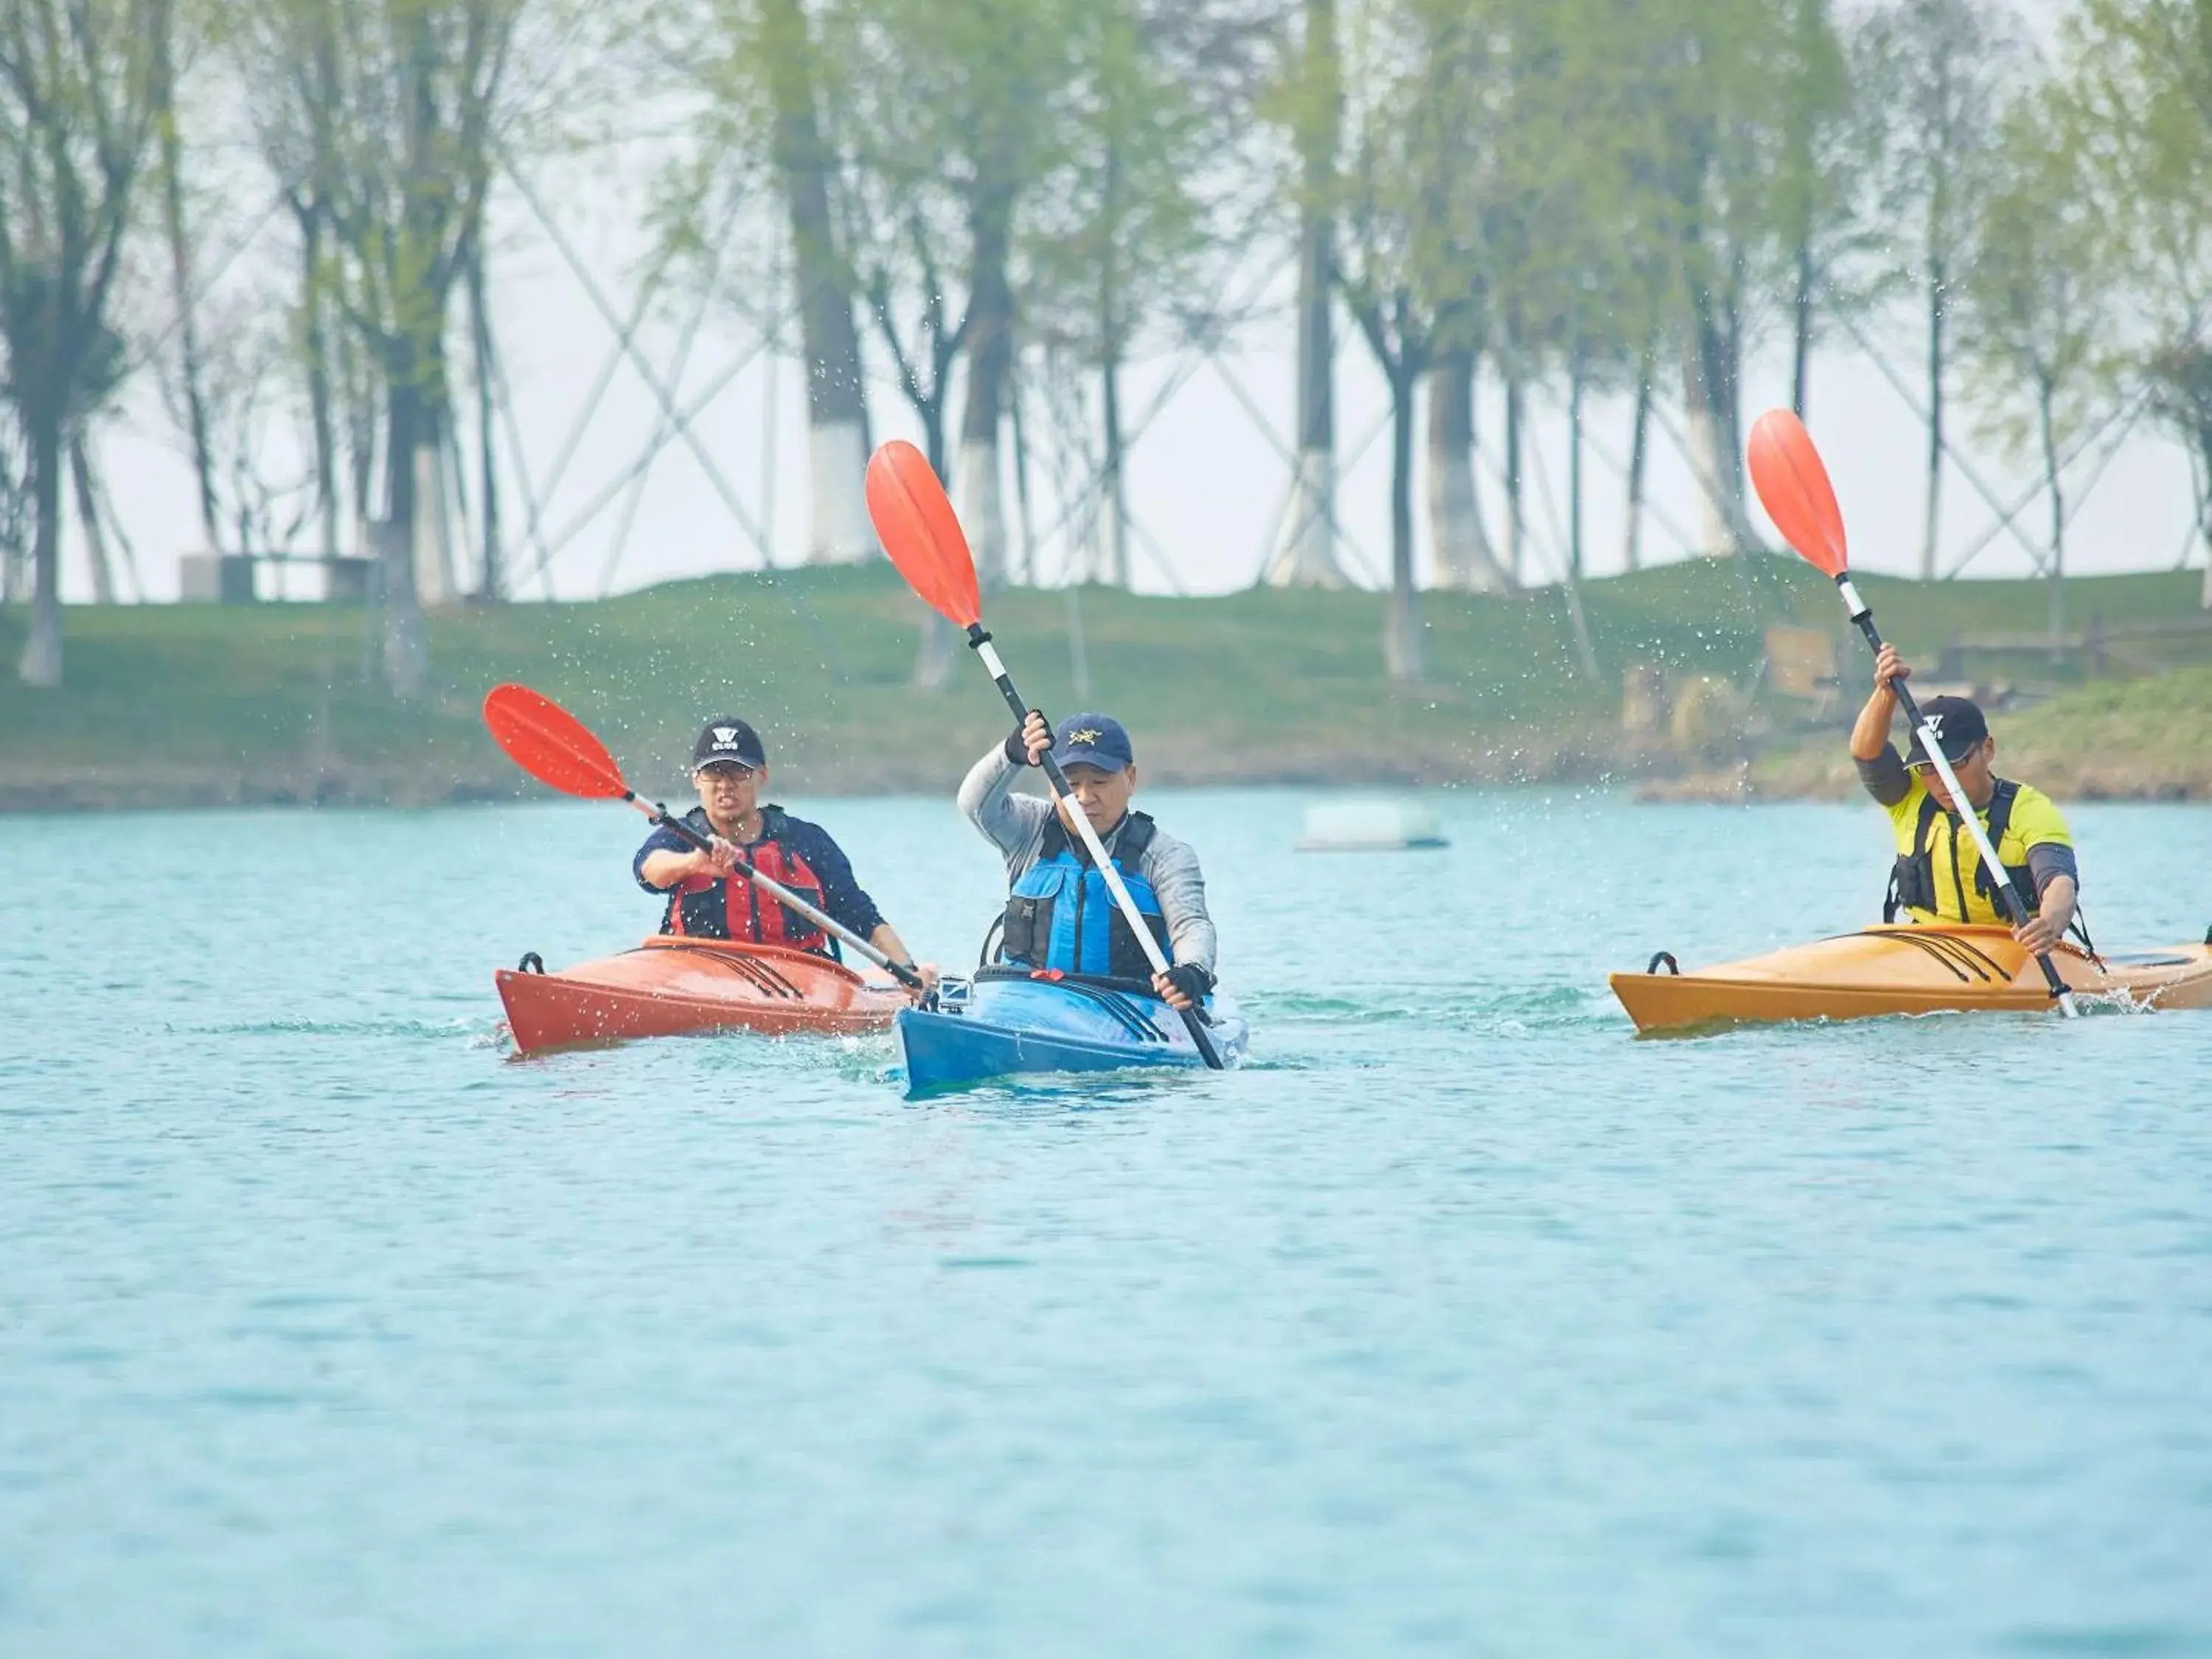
{"x":705,"y":907}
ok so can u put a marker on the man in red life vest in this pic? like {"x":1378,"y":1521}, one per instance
{"x":708,"y":899}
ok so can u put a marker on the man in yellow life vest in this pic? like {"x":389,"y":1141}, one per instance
{"x":1939,"y":876}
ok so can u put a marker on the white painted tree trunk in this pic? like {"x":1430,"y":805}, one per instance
{"x":837,"y":456}
{"x":40,"y":664}
{"x":1717,"y":532}
{"x":982,"y":506}
{"x":1305,"y":548}
{"x":434,"y":554}
{"x":1110,"y":556}
{"x":1461,"y":546}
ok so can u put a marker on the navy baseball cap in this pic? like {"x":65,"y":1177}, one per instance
{"x":1959,"y":729}
{"x":1092,"y":740}
{"x":728,"y":740}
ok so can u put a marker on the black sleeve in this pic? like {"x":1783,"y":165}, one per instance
{"x":1885,"y":776}
{"x":2050,"y":859}
{"x":841,"y":896}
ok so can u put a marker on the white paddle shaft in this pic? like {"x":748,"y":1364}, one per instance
{"x":1097,"y":848}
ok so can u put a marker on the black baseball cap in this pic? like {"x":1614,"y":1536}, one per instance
{"x":729,"y":741}
{"x":1092,"y":740}
{"x":1959,"y":730}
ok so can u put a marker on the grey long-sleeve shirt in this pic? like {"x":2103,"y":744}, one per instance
{"x":1015,"y":825}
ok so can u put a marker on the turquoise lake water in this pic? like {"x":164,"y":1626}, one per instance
{"x":1458,"y":1322}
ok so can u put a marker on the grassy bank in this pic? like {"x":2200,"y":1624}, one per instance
{"x":204,"y":704}
{"x":2138,"y":740}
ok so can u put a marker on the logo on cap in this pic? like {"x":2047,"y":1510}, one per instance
{"x":726,"y":737}
{"x":1935,"y":724}
{"x":1088,"y":734}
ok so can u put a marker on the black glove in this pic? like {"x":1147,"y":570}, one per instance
{"x":1017,"y":751}
{"x":1192,"y":979}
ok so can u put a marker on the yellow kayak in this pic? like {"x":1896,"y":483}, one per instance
{"x":1907,"y":969}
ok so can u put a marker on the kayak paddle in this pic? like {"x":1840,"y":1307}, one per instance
{"x":559,"y":750}
{"x":923,"y":534}
{"x":1793,"y":485}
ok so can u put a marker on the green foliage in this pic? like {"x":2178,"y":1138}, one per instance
{"x":2036,"y":304}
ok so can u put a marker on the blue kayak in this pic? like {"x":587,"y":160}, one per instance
{"x":1005,"y":1023}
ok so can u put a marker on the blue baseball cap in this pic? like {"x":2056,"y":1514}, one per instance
{"x":1092,"y":740}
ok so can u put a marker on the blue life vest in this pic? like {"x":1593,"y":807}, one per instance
{"x":1062,"y":916}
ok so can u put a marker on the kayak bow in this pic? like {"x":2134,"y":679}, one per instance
{"x":1907,"y":970}
{"x":1006,"y":1022}
{"x":671,"y":987}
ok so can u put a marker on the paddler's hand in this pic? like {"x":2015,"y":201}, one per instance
{"x":1890,"y":668}
{"x":926,"y":973}
{"x":720,"y":860}
{"x":1183,"y":987}
{"x":1034,"y":740}
{"x":2046,"y":929}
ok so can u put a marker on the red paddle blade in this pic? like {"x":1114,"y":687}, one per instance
{"x":1793,"y":485}
{"x":918,"y":528}
{"x":551,"y":744}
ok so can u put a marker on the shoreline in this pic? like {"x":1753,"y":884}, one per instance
{"x":1684,"y":695}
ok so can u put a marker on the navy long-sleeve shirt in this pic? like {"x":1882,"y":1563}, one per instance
{"x":842,"y":896}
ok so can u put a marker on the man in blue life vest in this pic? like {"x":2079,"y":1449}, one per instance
{"x":1939,"y":876}
{"x":705,"y":896}
{"x":1061,"y":914}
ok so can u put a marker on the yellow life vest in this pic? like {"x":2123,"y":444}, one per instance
{"x":1939,"y":875}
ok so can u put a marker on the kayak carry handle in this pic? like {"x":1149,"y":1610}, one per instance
{"x":1667,"y":957}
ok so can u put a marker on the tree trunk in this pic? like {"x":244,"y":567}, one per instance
{"x":1463,"y":556}
{"x":1401,"y":632}
{"x":40,"y":665}
{"x":1801,"y":333}
{"x":87,"y":514}
{"x":434,"y":552}
{"x":1113,"y":567}
{"x":1575,"y":463}
{"x":2204,"y":512}
{"x":315,"y":345}
{"x":1932,"y":523}
{"x":1305,"y":550}
{"x":1516,"y":522}
{"x":491,"y":580}
{"x":1639,"y":445}
{"x":1710,"y":380}
{"x":181,"y":284}
{"x":829,"y":339}
{"x":406,"y":646}
{"x":990,"y":342}
{"x":1024,"y":515}
{"x":2046,"y":394}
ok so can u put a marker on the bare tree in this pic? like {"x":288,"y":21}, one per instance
{"x":1305,"y":555}
{"x":1934,"y":70}
{"x":388,"y":120}
{"x":78,"y":109}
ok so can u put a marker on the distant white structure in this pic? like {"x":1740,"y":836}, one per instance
{"x":1370,"y":826}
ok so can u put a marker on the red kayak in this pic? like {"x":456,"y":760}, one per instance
{"x":669,"y":987}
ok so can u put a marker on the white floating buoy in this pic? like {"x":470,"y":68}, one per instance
{"x":1368,"y":826}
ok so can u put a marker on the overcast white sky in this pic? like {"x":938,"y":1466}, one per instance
{"x":1206,"y":482}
